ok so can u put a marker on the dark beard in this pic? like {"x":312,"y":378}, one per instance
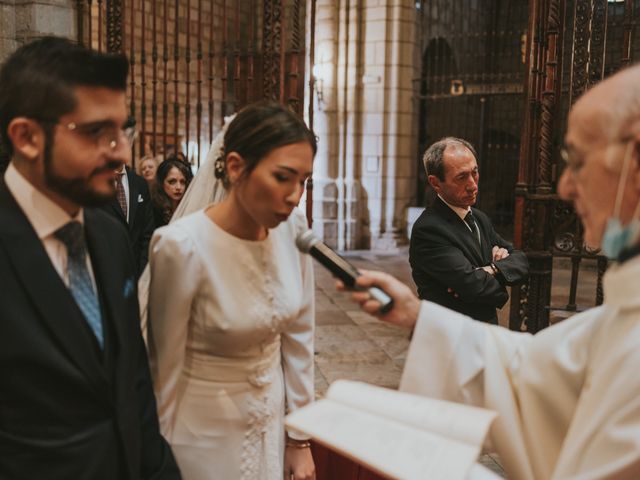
{"x":75,"y":189}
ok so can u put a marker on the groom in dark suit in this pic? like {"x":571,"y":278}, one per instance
{"x":76,"y":400}
{"x":457,"y":258}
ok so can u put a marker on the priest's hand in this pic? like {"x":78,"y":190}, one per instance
{"x":298,"y":463}
{"x":406,"y":305}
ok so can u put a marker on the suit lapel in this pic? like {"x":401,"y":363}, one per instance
{"x":106,"y":272}
{"x":464,"y":235}
{"x":50,"y":297}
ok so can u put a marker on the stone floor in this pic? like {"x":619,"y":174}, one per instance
{"x":352,"y":345}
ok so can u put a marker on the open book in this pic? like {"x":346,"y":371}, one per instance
{"x":397,"y":434}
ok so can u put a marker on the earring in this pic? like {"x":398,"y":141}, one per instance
{"x":219,"y":168}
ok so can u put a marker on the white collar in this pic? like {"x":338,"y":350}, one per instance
{"x":44,"y":215}
{"x":461,"y":212}
{"x":620,"y":284}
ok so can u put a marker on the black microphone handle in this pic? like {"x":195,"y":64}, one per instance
{"x":347,"y":273}
{"x":337,"y":265}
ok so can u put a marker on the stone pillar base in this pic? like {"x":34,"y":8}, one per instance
{"x":388,"y":242}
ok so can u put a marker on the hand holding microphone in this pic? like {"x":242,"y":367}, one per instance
{"x":307,"y":242}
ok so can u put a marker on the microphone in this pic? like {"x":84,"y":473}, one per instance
{"x":307,"y":242}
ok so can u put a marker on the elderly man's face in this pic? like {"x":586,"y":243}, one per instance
{"x":594,"y":164}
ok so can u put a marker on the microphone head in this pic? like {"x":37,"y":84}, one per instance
{"x":305,"y":241}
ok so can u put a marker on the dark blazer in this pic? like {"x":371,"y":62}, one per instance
{"x":444,"y":254}
{"x":141,"y":223}
{"x":67,"y":409}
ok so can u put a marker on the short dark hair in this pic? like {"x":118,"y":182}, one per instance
{"x":433,"y":157}
{"x":262,"y":127}
{"x":38,"y":79}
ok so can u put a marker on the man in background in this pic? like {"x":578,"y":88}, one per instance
{"x":132,"y":206}
{"x":457,"y":258}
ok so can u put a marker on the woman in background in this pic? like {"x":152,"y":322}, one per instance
{"x":231,"y":308}
{"x":172,"y":179}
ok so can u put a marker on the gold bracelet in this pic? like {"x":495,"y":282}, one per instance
{"x":298,"y":443}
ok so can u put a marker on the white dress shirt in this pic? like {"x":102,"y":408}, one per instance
{"x":46,"y":217}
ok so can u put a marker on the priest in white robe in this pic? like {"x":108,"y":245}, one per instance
{"x":568,"y":398}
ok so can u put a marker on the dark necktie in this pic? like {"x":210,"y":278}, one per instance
{"x":122,"y":197}
{"x":471,"y":221}
{"x":80,"y":286}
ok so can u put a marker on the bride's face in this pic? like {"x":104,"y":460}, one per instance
{"x":274,"y":187}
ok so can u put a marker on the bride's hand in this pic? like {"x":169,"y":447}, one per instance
{"x":298,"y":464}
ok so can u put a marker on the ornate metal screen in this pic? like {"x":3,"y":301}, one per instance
{"x":572,"y":45}
{"x":471,"y":87}
{"x":194,"y":61}
{"x":503,"y":74}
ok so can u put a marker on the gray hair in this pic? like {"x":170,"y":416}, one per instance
{"x":433,"y":157}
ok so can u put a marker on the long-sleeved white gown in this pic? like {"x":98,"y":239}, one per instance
{"x":230,"y":344}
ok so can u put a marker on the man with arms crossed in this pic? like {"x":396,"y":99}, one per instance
{"x":76,"y":400}
{"x":457,"y":258}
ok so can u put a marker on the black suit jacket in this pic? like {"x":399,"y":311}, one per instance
{"x":67,"y":409}
{"x":141,"y":223}
{"x":444,"y":254}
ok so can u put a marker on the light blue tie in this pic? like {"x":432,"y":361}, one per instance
{"x":72,"y":235}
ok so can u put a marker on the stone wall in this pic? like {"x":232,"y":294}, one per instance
{"x":21,"y":21}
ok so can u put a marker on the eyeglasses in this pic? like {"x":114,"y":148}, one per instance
{"x":575,"y":161}
{"x":103,"y":133}
{"x":571,"y":160}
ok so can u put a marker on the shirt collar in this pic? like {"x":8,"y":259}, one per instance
{"x":44,"y":215}
{"x":461,"y":212}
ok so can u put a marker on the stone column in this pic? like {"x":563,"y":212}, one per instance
{"x":7,"y":28}
{"x":364,"y":174}
{"x":388,"y":170}
{"x":23,"y":20}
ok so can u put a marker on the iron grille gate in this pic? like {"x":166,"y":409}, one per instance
{"x":471,"y":87}
{"x":194,"y":61}
{"x":572,"y":44}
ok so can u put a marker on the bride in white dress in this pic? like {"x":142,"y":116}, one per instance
{"x":231,"y":307}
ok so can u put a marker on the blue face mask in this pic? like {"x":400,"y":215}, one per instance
{"x":617,"y":237}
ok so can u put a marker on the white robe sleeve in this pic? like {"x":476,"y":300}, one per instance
{"x":297,"y":341}
{"x":175,"y":270}
{"x":447,"y":358}
{"x":453,"y":357}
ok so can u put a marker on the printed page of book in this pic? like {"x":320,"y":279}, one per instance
{"x":453,"y":420}
{"x":390,"y":448}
